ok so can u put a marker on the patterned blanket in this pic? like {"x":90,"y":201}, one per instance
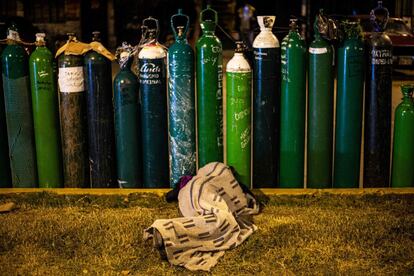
{"x":217,"y":216}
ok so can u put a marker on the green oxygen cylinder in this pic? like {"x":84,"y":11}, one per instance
{"x":293,"y":108}
{"x":72,"y":98}
{"x":45,"y":115}
{"x":19,"y":116}
{"x":238,"y":111}
{"x":209,"y":91}
{"x":181,"y":102}
{"x":320,"y":113}
{"x":350,"y":89}
{"x":403,"y":150}
{"x":127,"y":122}
{"x":5,"y":176}
{"x":154,"y":116}
{"x":266,"y":102}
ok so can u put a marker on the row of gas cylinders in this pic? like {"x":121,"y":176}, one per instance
{"x":144,"y":133}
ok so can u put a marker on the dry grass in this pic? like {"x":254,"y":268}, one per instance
{"x":309,"y":234}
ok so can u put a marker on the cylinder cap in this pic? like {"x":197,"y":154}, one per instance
{"x":293,"y":24}
{"x":407,"y":90}
{"x":240,"y":47}
{"x":71,"y":36}
{"x":379,"y":17}
{"x":12,"y":32}
{"x":96,"y":36}
{"x":40,"y":37}
{"x":266,"y":22}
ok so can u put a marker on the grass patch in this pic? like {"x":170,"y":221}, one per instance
{"x":301,"y":234}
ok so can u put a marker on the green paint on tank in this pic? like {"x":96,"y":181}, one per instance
{"x":403,"y":150}
{"x":209,"y":92}
{"x":19,"y":116}
{"x":238,"y":132}
{"x":45,"y":116}
{"x":320,"y":114}
{"x":238,"y":111}
{"x":350,"y":89}
{"x":293,"y":107}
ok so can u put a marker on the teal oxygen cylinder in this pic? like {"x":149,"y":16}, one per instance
{"x":209,"y":91}
{"x":127,"y":122}
{"x":238,"y":108}
{"x":153,"y":95}
{"x":266,"y":88}
{"x":5,"y":176}
{"x":350,"y":89}
{"x":19,"y":116}
{"x":181,"y":91}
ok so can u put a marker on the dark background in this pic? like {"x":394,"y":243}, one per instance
{"x":120,"y":20}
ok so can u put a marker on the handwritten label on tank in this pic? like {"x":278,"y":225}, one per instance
{"x":150,"y":73}
{"x":381,"y":57}
{"x":71,"y":80}
{"x":219,"y":95}
{"x":318,"y":51}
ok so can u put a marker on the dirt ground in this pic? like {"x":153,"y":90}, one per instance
{"x":50,"y":234}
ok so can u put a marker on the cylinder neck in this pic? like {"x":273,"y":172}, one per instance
{"x":40,"y":40}
{"x":208,"y":27}
{"x":407,"y":91}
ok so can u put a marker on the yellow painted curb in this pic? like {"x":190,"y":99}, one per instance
{"x":161,"y":192}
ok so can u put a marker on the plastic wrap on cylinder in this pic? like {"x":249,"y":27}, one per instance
{"x":181,"y":88}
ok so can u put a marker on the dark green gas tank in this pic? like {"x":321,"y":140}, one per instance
{"x":101,"y":137}
{"x":378,"y":99}
{"x":154,"y":124}
{"x":127,"y":123}
{"x":181,"y":103}
{"x":350,"y":89}
{"x":320,"y":114}
{"x":403,"y":150}
{"x":19,"y":116}
{"x":209,"y":92}
{"x":293,"y":107}
{"x":5,"y":176}
{"x":73,"y":120}
{"x":45,"y":116}
{"x":266,"y":99}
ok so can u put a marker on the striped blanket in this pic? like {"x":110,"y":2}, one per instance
{"x":217,"y":216}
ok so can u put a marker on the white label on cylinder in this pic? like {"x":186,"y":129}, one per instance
{"x":318,"y":51}
{"x":71,"y":79}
